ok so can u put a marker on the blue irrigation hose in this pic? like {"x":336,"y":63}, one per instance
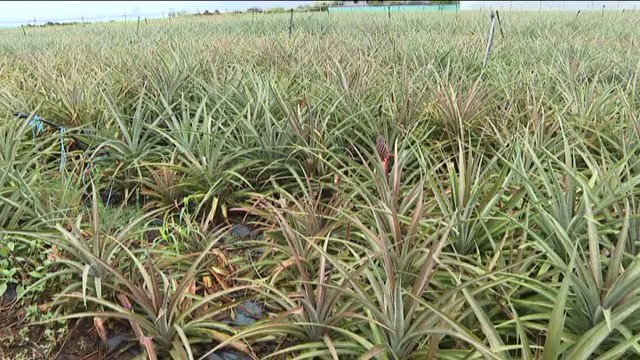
{"x":63,"y":154}
{"x":36,"y":126}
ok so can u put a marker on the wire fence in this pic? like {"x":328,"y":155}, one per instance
{"x":89,"y":19}
{"x":464,"y":6}
{"x":551,"y":5}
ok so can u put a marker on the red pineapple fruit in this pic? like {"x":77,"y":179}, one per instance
{"x":383,"y":152}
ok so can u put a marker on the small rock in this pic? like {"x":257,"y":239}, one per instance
{"x":247,"y":314}
{"x":115,"y":342}
{"x":241,"y":230}
{"x":9,"y":296}
{"x":228,"y":355}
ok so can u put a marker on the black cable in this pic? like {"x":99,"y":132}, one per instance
{"x":82,"y":145}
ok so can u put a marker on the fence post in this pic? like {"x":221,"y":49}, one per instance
{"x":389,"y":10}
{"x":291,"y":23}
{"x":125,"y":17}
{"x":34,"y":21}
{"x":138,"y":29}
{"x":23,"y":32}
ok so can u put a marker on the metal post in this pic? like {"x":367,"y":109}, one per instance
{"x":492,"y":30}
{"x":389,"y":10}
{"x":499,"y":23}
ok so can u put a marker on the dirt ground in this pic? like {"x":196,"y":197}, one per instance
{"x":75,"y":340}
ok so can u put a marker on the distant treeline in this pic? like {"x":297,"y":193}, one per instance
{"x":275,"y":10}
{"x":52,"y":23}
{"x":322,"y":6}
{"x":319,"y":6}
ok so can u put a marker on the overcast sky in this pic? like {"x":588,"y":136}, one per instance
{"x":16,"y":12}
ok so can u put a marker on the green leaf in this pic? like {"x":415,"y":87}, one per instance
{"x":607,"y":317}
{"x":556,"y":323}
{"x":594,"y":244}
{"x":487,"y":327}
{"x":85,"y":276}
{"x":36,"y":274}
{"x":589,"y":342}
{"x":621,"y":349}
{"x":3,"y":288}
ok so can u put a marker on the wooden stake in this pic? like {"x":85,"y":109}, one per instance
{"x":23,"y":32}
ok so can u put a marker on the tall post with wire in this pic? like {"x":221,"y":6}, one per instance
{"x":492,"y":29}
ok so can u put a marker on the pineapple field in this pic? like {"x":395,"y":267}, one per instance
{"x":322,"y":186}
